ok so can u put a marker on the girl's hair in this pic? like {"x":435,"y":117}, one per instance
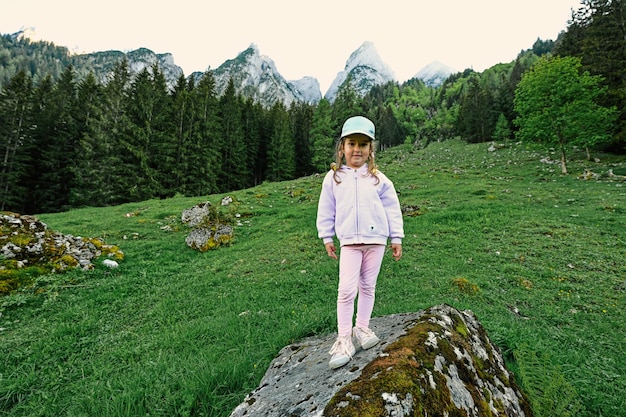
{"x":372,"y":168}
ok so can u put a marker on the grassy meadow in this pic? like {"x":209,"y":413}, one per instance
{"x":538,"y":256}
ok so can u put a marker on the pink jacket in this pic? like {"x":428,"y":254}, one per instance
{"x":357,"y":210}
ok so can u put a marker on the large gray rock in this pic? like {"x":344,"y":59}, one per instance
{"x":434,"y":362}
{"x":208,"y":228}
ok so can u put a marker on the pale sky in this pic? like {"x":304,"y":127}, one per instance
{"x":302,"y":38}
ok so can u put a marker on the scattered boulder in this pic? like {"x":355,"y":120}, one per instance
{"x":411,"y":211}
{"x":209,"y":229}
{"x":615,"y":176}
{"x":588,"y":175}
{"x":495,"y":146}
{"x":26,"y":242}
{"x":434,"y":362}
{"x":197,"y":214}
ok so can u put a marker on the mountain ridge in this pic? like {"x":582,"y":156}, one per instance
{"x":256,"y":75}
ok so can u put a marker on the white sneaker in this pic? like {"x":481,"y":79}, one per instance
{"x":365,"y":337}
{"x":342,"y":351}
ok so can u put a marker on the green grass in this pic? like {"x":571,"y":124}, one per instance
{"x":538,"y":256}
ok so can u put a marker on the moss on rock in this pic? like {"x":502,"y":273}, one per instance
{"x":445,"y":365}
{"x":28,"y":249}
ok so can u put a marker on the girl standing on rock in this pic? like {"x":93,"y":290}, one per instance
{"x":358,"y":204}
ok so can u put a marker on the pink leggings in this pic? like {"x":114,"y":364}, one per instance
{"x":359,"y":266}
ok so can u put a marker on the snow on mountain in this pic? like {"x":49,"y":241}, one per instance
{"x":435,"y":73}
{"x":366,"y":69}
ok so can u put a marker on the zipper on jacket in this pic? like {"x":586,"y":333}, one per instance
{"x":356,"y":205}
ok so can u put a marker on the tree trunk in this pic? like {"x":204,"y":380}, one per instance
{"x":563,"y":162}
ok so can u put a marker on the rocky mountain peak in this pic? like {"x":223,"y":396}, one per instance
{"x":256,"y":76}
{"x":435,"y":73}
{"x":365,"y":68}
{"x":367,"y":55}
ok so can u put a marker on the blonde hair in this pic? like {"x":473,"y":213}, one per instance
{"x":372,"y":168}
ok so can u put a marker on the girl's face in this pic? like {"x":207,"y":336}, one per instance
{"x":356,"y":150}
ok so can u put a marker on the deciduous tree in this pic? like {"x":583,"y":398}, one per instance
{"x":557,"y":106}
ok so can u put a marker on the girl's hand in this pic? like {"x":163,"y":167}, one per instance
{"x":330,"y":250}
{"x":397,"y":251}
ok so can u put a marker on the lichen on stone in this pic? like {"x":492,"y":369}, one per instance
{"x":444,"y":365}
{"x":209,"y":228}
{"x":28,"y":248}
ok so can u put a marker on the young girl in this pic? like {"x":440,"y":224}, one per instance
{"x":358,"y":204}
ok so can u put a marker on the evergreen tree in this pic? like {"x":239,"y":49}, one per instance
{"x":38,"y":59}
{"x":497,"y":81}
{"x":140,"y":113}
{"x":15,"y":142}
{"x":376,"y":105}
{"x":502,"y":132}
{"x":196,"y":129}
{"x":256,"y":149}
{"x":183,"y":121}
{"x":163,"y":149}
{"x":42,"y":93}
{"x":281,"y":152}
{"x":323,"y":136}
{"x":207,"y":139}
{"x":90,"y":170}
{"x":347,"y":104}
{"x":233,"y":173}
{"x":113,"y":132}
{"x":151,"y":141}
{"x":475,"y":123}
{"x":504,"y":94}
{"x":57,"y":138}
{"x":541,"y":47}
{"x":604,"y":53}
{"x":388,"y":131}
{"x":570,"y":42}
{"x":301,"y":116}
{"x":444,"y":123}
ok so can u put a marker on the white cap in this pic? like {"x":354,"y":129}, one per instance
{"x":358,"y":124}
